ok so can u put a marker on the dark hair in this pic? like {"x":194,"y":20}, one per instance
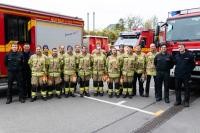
{"x":69,"y":46}
{"x":121,"y":46}
{"x":45,"y":46}
{"x":83,"y":46}
{"x":54,"y":49}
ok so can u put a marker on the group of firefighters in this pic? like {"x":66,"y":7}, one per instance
{"x":59,"y":72}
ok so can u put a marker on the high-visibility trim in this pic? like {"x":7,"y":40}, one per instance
{"x":101,"y":89}
{"x":66,"y":89}
{"x":58,"y":92}
{"x":130,"y":90}
{"x":82,"y":89}
{"x":72,"y":90}
{"x":86,"y":88}
{"x":43,"y":93}
{"x":33,"y":94}
{"x":50,"y":92}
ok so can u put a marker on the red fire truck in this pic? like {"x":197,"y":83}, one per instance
{"x":183,"y":26}
{"x":91,"y":42}
{"x":36,"y":27}
{"x":143,"y":37}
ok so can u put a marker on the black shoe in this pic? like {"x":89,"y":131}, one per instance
{"x":87,"y":94}
{"x":186,"y":104}
{"x":177,"y":103}
{"x":101,"y":94}
{"x":158,"y":99}
{"x":58,"y":96}
{"x":9,"y":100}
{"x":146,"y":95}
{"x":66,"y":95}
{"x":110,"y":96}
{"x":22,"y":100}
{"x":130,"y":96}
{"x":124,"y":95}
{"x":72,"y":94}
{"x":117,"y":96}
{"x":33,"y":99}
{"x":167,"y":100}
{"x":81,"y":95}
{"x":50,"y":96}
{"x":44,"y":98}
{"x":142,"y":95}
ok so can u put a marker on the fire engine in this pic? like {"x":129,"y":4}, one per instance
{"x":143,"y":37}
{"x":91,"y":42}
{"x":183,"y":26}
{"x":36,"y":27}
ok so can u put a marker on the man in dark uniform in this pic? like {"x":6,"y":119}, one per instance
{"x":185,"y":63}
{"x":163,"y":63}
{"x":14,"y":61}
{"x":26,"y":71}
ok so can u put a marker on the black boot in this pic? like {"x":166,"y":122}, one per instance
{"x":33,"y":99}
{"x":87,"y":94}
{"x":44,"y":98}
{"x":22,"y":100}
{"x":9,"y":100}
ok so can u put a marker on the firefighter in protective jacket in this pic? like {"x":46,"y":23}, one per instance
{"x":38,"y":79}
{"x":84,"y":71}
{"x":70,"y":76}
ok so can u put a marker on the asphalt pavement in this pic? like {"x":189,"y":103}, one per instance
{"x":94,"y":114}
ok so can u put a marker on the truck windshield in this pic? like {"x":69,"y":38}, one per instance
{"x":126,"y":40}
{"x":184,"y":29}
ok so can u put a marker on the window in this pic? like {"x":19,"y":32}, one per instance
{"x":16,"y":28}
{"x":184,"y":29}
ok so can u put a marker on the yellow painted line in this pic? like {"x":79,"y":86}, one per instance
{"x":158,"y":113}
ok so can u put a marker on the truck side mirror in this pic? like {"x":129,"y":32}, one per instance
{"x":142,"y":43}
{"x":156,"y":37}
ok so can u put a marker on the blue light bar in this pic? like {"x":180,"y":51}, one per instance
{"x":174,"y":13}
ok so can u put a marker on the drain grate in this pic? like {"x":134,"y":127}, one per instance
{"x":156,"y":122}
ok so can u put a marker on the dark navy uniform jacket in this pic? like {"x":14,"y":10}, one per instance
{"x":184,"y":64}
{"x":14,"y":61}
{"x":163,"y":62}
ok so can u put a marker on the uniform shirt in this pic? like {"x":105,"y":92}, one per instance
{"x":99,"y":63}
{"x":37,"y":64}
{"x":129,"y":65}
{"x":69,"y":62}
{"x":140,"y":64}
{"x":54,"y":65}
{"x":113,"y":66}
{"x":150,"y":67}
{"x":163,"y":62}
{"x":184,"y":64}
{"x":85,"y":65}
{"x":14,"y":61}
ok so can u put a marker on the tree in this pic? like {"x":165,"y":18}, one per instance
{"x":134,"y":22}
{"x":148,"y":24}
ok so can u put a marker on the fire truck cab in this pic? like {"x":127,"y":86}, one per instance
{"x":143,"y":37}
{"x":183,"y":26}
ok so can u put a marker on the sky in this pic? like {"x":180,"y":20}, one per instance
{"x":107,"y":11}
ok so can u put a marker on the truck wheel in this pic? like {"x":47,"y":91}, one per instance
{"x":172,"y":83}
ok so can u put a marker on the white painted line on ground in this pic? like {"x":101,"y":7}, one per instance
{"x":119,"y":104}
